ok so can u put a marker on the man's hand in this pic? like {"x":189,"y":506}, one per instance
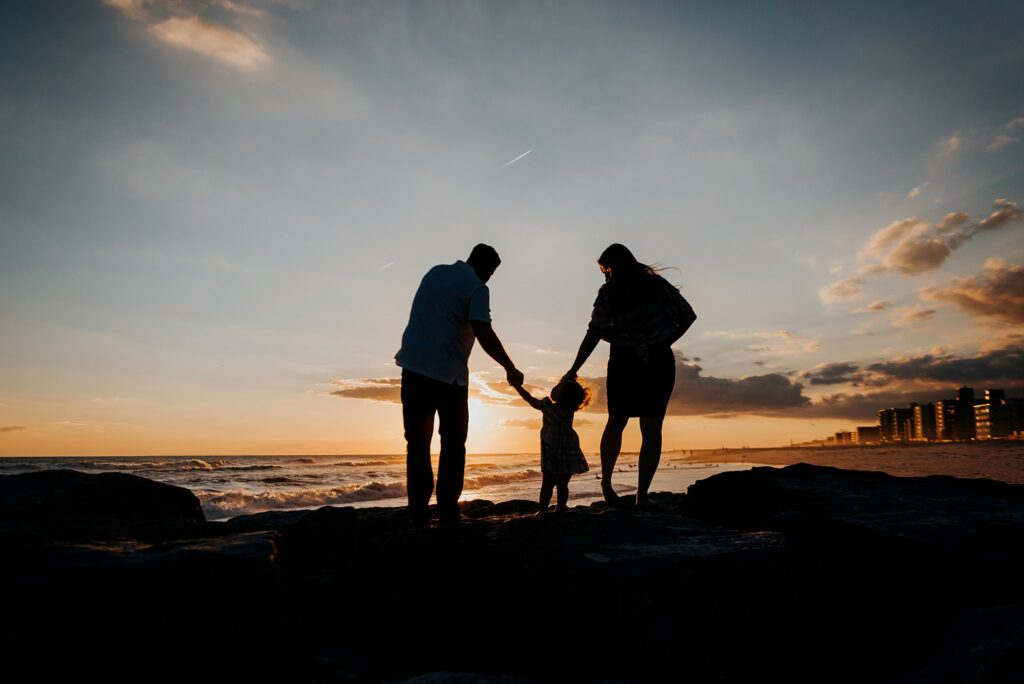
{"x":514,"y":377}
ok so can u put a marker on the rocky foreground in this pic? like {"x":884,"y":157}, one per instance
{"x":804,"y":573}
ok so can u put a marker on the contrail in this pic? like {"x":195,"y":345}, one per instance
{"x":518,"y":158}
{"x":387,"y":265}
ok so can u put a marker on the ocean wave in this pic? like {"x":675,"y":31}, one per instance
{"x":180,"y":464}
{"x":481,"y":481}
{"x":251,"y":467}
{"x":360,"y":464}
{"x":242,"y":502}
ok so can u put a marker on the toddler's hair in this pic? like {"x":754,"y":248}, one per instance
{"x":571,"y":392}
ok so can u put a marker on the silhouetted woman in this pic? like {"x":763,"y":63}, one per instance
{"x":640,"y":314}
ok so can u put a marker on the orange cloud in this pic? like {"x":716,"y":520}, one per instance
{"x":175,"y":24}
{"x":996,"y":294}
{"x":213,"y":41}
{"x":910,"y":315}
{"x":912,"y":246}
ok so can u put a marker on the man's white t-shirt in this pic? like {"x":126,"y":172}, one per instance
{"x":438,"y":339}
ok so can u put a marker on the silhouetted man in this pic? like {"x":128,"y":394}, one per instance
{"x":450,"y":310}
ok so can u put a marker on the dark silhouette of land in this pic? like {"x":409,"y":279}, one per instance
{"x":802,"y":574}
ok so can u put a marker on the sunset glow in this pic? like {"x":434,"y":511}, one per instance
{"x":214,"y":216}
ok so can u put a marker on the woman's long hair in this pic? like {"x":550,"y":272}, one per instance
{"x":630,"y":281}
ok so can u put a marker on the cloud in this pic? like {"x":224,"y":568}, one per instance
{"x":13,"y":428}
{"x":939,"y":374}
{"x":1002,"y":140}
{"x":865,"y":406}
{"x":893,"y":233}
{"x":212,"y":40}
{"x":996,"y":294}
{"x":833,"y":374}
{"x":173,"y":23}
{"x":899,"y":381}
{"x":526,"y":423}
{"x":693,"y":393}
{"x":914,"y":192}
{"x":374,"y":389}
{"x":911,"y":315}
{"x":1004,"y":365}
{"x":390,"y":390}
{"x":696,"y":394}
{"x":912,"y":246}
{"x":950,"y":145}
{"x":538,"y":423}
{"x":847,"y":288}
{"x":877,"y":305}
{"x":1006,"y":137}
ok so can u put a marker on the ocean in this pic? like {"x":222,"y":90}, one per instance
{"x":229,"y":486}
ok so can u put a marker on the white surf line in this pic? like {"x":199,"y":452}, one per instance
{"x":386,"y":266}
{"x":518,"y":158}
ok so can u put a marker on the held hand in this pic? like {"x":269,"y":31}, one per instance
{"x":514,"y":377}
{"x":571,"y":375}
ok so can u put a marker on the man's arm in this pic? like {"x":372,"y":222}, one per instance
{"x":492,"y":345}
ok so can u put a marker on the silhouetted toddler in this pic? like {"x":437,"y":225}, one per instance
{"x":560,"y":453}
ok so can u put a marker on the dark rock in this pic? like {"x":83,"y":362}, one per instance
{"x":67,"y":504}
{"x":802,"y":574}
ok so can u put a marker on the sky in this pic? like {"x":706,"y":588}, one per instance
{"x":214,"y":214}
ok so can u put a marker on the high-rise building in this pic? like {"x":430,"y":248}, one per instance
{"x":954,"y":418}
{"x":844,"y":438}
{"x":998,"y":417}
{"x":868,"y":434}
{"x":896,"y":424}
{"x":924,"y":422}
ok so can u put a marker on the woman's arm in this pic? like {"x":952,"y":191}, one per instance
{"x":587,"y":347}
{"x":529,"y":398}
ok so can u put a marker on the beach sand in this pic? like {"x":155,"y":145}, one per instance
{"x":996,"y":460}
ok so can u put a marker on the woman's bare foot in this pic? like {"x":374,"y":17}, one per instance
{"x":644,"y":502}
{"x":610,"y":496}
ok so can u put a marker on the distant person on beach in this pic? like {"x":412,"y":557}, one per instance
{"x":560,"y":453}
{"x":640,"y":314}
{"x":451,"y":309}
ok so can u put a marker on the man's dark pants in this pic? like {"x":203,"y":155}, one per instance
{"x":422,"y":397}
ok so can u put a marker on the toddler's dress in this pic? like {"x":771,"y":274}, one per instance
{"x":560,"y":451}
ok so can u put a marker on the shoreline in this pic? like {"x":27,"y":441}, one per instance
{"x":994,"y":460}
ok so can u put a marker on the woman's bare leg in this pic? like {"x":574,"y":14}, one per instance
{"x":650,"y":454}
{"x":611,"y":444}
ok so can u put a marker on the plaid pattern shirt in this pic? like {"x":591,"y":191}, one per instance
{"x":660,"y":319}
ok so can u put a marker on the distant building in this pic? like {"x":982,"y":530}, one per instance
{"x":896,"y":424}
{"x":998,"y":417}
{"x":924,"y":422}
{"x":869,"y":434}
{"x":954,"y":418}
{"x":844,"y":438}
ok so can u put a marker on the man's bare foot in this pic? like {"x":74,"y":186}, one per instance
{"x":561,"y":509}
